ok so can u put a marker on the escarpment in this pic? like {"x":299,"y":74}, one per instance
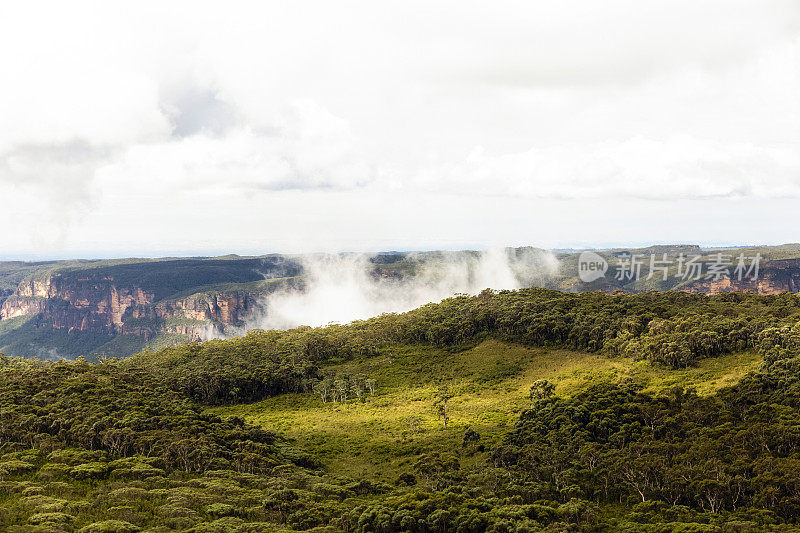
{"x":774,"y":277}
{"x":147,"y":299}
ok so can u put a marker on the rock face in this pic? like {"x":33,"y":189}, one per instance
{"x":15,"y":306}
{"x":88,"y":303}
{"x":774,"y":277}
{"x":97,"y":302}
{"x":195,"y":315}
{"x":224,"y":307}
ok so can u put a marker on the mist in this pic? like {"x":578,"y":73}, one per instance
{"x":341,"y":288}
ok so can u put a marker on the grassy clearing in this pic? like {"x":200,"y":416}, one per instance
{"x":380,"y":438}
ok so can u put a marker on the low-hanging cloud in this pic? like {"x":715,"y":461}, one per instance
{"x":340,"y":288}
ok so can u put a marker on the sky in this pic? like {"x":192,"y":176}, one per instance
{"x":169,"y":128}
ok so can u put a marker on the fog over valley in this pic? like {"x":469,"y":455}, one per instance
{"x":345,"y":287}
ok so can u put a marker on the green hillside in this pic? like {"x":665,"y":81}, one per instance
{"x":490,"y":384}
{"x":528,"y":410}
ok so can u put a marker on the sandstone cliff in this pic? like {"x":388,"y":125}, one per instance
{"x":93,"y":304}
{"x":774,"y":277}
{"x":85,"y":303}
{"x":147,"y":299}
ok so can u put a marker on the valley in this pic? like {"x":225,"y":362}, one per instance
{"x":490,"y":384}
{"x":510,"y":411}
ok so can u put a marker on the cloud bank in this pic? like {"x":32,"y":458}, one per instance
{"x":140,"y":129}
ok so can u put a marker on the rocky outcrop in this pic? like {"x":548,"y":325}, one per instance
{"x":774,"y":277}
{"x":40,"y":288}
{"x":227,"y":308}
{"x":85,"y":303}
{"x":15,"y":306}
{"x":97,"y":303}
{"x":145,"y":297}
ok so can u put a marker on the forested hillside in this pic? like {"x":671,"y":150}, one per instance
{"x":530,"y":410}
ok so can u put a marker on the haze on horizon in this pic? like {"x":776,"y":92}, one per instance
{"x":157,"y":129}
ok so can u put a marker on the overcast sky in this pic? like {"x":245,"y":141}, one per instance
{"x":160,"y":128}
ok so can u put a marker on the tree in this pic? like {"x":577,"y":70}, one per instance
{"x":370,"y":383}
{"x":357,"y":386}
{"x":437,"y":470}
{"x":323,"y":387}
{"x":443,"y":396}
{"x":414,"y":423}
{"x":470,"y":437}
{"x":342,"y":386}
{"x":437,"y":520}
{"x":541,"y":390}
{"x":282,"y":501}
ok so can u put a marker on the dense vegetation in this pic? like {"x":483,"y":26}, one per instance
{"x":673,"y":328}
{"x":141,"y":444}
{"x":735,"y":453}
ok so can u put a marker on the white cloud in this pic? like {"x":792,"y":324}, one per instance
{"x":307,"y":148}
{"x":296,"y":122}
{"x":677,"y":168}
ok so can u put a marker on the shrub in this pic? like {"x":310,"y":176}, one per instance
{"x":110,"y":526}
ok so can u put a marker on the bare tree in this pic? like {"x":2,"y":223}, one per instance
{"x":342,"y":386}
{"x":443,"y":396}
{"x":323,"y":388}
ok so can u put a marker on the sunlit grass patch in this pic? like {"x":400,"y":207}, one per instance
{"x":490,"y":383}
